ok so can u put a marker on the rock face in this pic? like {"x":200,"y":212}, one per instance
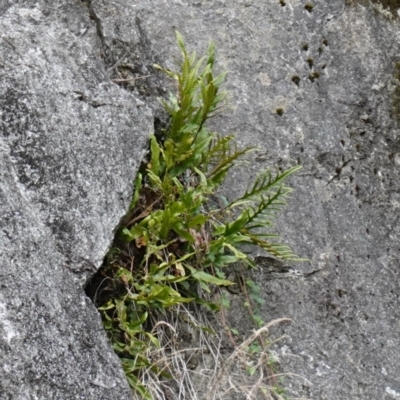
{"x":70,"y":144}
{"x":311,"y":83}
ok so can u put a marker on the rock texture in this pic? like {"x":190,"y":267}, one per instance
{"x":315,"y":83}
{"x":329,"y":70}
{"x":70,"y":144}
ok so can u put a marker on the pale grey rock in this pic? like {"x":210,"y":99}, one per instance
{"x":339,"y":123}
{"x":70,"y":144}
{"x":331,"y":70}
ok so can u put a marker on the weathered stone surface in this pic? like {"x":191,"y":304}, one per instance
{"x":70,"y":144}
{"x":330,"y":69}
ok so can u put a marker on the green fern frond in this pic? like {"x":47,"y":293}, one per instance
{"x":136,"y":194}
{"x":211,"y":54}
{"x":156,"y":154}
{"x":264,"y":183}
{"x":197,"y":98}
{"x":278,"y":250}
{"x":262,"y":215}
{"x":220,"y":79}
{"x":228,"y":157}
{"x":219,"y":146}
{"x":181,"y":43}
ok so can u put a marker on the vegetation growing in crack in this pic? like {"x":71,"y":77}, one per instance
{"x":175,"y":242}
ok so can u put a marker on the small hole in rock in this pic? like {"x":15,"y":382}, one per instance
{"x":309,"y":7}
{"x":296,"y":80}
{"x":313,"y":76}
{"x":341,"y":292}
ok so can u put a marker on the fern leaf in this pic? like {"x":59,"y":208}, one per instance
{"x":219,"y":146}
{"x":155,"y":155}
{"x":136,"y":194}
{"x":181,"y":43}
{"x":276,"y":249}
{"x":155,"y":180}
{"x":228,"y":160}
{"x":211,"y":54}
{"x":262,"y":215}
{"x":264,"y":183}
{"x":220,"y":79}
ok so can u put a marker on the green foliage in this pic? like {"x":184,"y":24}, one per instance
{"x":254,"y":302}
{"x":173,"y":246}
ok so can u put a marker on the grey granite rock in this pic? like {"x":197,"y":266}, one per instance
{"x":318,"y":86}
{"x":329,"y":70}
{"x":70,"y":144}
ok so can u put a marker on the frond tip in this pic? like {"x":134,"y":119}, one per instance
{"x":259,"y":205}
{"x":265,"y":184}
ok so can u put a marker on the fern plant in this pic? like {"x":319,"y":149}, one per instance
{"x":171,"y":240}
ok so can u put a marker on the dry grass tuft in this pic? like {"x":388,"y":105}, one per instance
{"x":212,"y":370}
